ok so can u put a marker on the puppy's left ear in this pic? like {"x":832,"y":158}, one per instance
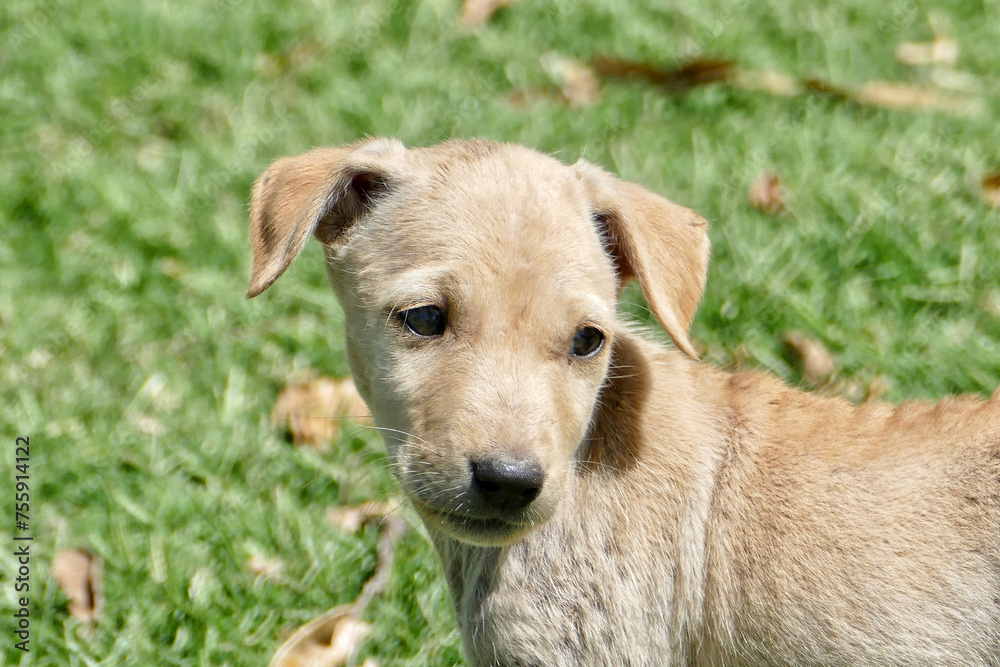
{"x":662,"y":245}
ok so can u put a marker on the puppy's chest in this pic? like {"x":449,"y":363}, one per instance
{"x":562,"y":598}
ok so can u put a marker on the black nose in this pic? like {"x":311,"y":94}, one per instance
{"x":507,"y":482}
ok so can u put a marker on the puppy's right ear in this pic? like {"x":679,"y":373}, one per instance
{"x":662,"y":245}
{"x":322,"y":193}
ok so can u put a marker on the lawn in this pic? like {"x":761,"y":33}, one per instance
{"x":130,"y":133}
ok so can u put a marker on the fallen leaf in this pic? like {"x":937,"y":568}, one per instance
{"x":332,"y":639}
{"x":821,"y":87}
{"x":894,"y":95}
{"x":313,"y":412}
{"x":78,"y":574}
{"x":941,"y":51}
{"x":768,"y":81}
{"x":577,"y":82}
{"x":888,"y":94}
{"x":767,"y":193}
{"x":350,"y":519}
{"x":676,"y":81}
{"x":328,"y":641}
{"x":817,"y":364}
{"x":991,"y":188}
{"x":477,"y":12}
{"x":393,"y":529}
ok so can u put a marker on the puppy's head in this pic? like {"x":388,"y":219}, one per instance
{"x":479,"y":283}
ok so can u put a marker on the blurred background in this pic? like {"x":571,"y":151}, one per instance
{"x":845,"y":154}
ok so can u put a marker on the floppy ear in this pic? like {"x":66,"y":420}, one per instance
{"x":322,"y":193}
{"x":662,"y":245}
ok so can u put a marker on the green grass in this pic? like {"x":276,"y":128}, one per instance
{"x":131,"y":133}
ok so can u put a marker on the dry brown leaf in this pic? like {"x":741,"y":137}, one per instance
{"x":328,"y":641}
{"x":817,"y":364}
{"x":477,"y":12}
{"x":941,"y":51}
{"x":79,"y":575}
{"x":393,"y":530}
{"x":888,"y":94}
{"x":577,"y":82}
{"x":767,"y":193}
{"x":333,"y":638}
{"x":314,"y":412}
{"x":676,"y":81}
{"x":821,"y":87}
{"x":991,"y":188}
{"x":768,"y":81}
{"x":894,"y":95}
{"x":350,"y":519}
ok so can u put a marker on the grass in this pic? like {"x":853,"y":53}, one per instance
{"x":131,"y":134}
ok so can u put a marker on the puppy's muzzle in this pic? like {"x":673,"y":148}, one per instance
{"x":507,"y":483}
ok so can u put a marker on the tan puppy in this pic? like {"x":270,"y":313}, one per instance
{"x":599,"y":499}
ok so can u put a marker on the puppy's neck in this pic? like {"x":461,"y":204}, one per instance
{"x":616,"y":438}
{"x":596,"y":537}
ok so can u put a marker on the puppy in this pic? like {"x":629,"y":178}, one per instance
{"x":600,"y":499}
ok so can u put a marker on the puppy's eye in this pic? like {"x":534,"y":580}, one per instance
{"x":423,"y":321}
{"x":587,"y":342}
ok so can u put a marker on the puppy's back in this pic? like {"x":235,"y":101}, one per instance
{"x":871,"y":531}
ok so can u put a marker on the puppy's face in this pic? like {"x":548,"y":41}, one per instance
{"x":479,"y":327}
{"x":479,"y":284}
